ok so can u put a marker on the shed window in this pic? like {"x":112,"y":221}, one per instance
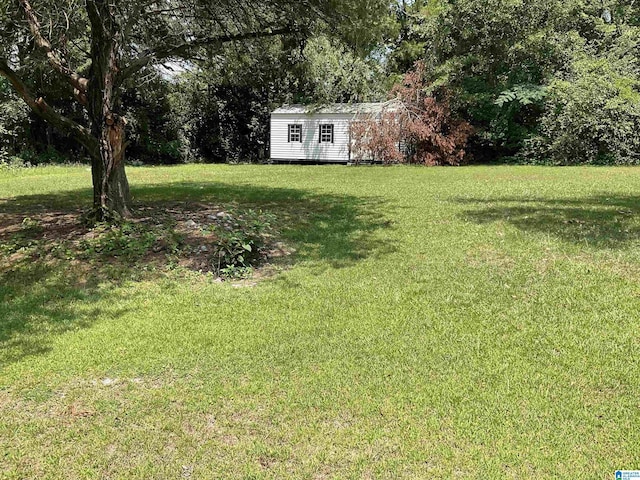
{"x":326,"y":133}
{"x":295,"y":133}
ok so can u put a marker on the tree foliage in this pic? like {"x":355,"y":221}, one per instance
{"x":505,"y":61}
{"x":224,"y":106}
{"x":593,"y":109}
{"x":13,"y":123}
{"x":195,"y":80}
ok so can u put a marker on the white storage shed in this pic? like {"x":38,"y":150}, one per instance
{"x":316,"y":134}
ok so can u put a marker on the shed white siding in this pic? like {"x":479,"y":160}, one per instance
{"x":310,"y":147}
{"x":340,"y":115}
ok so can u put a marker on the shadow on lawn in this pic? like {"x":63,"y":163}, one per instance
{"x":40,"y":299}
{"x":336,"y":229}
{"x":603,"y":221}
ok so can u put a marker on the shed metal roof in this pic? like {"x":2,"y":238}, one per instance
{"x":336,"y":108}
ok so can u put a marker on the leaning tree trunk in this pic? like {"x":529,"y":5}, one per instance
{"x":110,"y":186}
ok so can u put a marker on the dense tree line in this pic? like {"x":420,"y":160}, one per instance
{"x":538,"y":80}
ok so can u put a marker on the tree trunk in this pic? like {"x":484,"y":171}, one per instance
{"x":110,"y":186}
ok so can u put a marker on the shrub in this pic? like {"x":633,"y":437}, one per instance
{"x":241,"y":242}
{"x":415,"y":128}
{"x":12,"y":163}
{"x":48,"y":156}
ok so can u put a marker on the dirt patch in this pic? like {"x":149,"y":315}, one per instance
{"x":198,"y":237}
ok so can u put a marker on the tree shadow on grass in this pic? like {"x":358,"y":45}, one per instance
{"x":40,"y":299}
{"x":604,"y":221}
{"x":335,"y":229}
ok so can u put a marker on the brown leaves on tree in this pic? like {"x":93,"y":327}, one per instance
{"x":378,"y":138}
{"x":415,"y":128}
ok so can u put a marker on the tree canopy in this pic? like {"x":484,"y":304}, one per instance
{"x":510,"y":65}
{"x":95,"y":46}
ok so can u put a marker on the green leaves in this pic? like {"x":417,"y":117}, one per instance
{"x":498,"y":59}
{"x":593,"y":114}
{"x":241,"y":243}
{"x":522,"y":94}
{"x":331,"y":72}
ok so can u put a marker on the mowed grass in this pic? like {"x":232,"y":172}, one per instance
{"x":478,"y":322}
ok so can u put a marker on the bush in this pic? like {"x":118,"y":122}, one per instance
{"x":48,"y":156}
{"x":12,"y":163}
{"x":241,"y":241}
{"x":416,"y":128}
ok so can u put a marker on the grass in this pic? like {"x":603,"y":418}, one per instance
{"x":433,"y":323}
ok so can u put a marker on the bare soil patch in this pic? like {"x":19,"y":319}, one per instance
{"x":198,"y":237}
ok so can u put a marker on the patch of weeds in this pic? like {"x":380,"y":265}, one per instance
{"x":13,"y":163}
{"x":63,"y":251}
{"x":24,"y":240}
{"x":236,"y":272}
{"x":241,"y":242}
{"x":175,"y":237}
{"x":19,"y":244}
{"x":31,"y":225}
{"x":172,"y":242}
{"x":128,"y":241}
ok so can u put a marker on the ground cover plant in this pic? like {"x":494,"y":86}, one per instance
{"x":161,"y":236}
{"x":479,"y":322}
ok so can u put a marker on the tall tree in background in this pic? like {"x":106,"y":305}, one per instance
{"x":479,"y":49}
{"x":225,"y":105}
{"x":96,"y":45}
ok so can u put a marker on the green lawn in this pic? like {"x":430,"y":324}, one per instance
{"x":434,"y":323}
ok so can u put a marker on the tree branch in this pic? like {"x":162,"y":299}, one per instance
{"x":42,"y":109}
{"x":55,"y":58}
{"x":187,"y":49}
